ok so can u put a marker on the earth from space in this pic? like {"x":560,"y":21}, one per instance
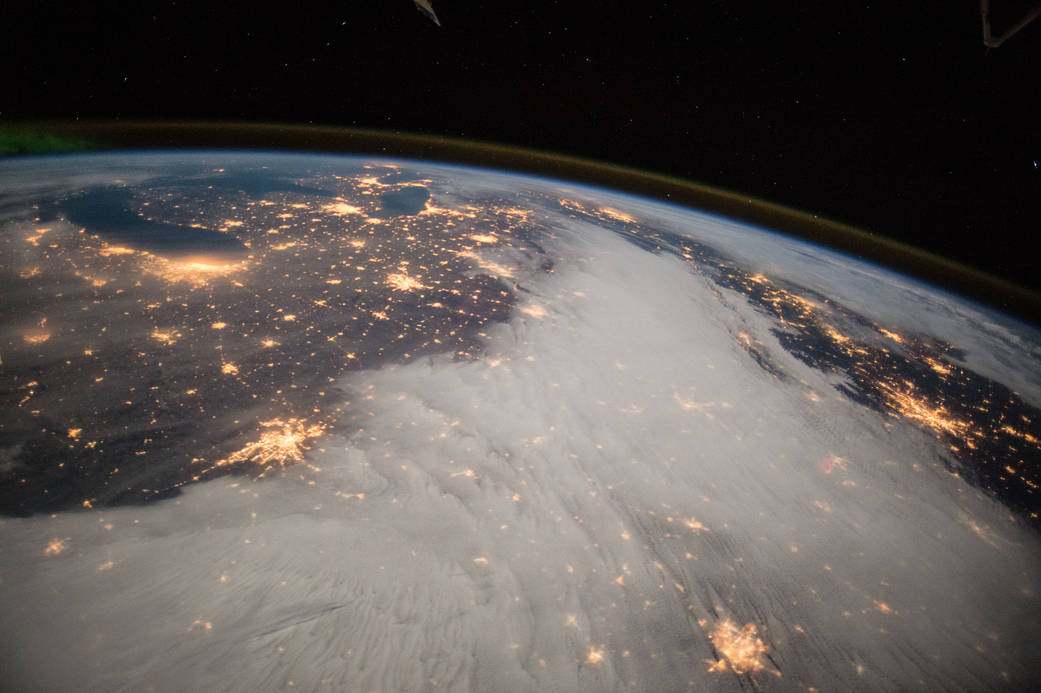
{"x":308,"y":422}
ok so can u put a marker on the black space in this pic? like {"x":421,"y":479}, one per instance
{"x":888,"y":116}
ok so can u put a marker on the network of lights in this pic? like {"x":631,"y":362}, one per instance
{"x":231,"y":362}
{"x":322,"y":285}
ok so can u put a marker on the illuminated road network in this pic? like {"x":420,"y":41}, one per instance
{"x":290,"y":422}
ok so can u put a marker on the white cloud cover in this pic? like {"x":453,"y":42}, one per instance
{"x":573,"y":511}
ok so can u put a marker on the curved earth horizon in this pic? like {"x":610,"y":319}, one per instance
{"x":319,"y":422}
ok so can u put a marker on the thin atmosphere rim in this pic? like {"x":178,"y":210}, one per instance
{"x":57,"y":137}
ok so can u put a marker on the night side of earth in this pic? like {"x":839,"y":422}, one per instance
{"x":307,"y":422}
